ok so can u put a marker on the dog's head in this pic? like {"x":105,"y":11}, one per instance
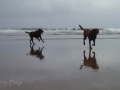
{"x":95,"y":31}
{"x":40,"y":31}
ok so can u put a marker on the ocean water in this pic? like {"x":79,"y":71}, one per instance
{"x":66,"y":32}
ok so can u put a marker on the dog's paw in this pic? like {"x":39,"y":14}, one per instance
{"x":83,"y":43}
{"x":90,"y":48}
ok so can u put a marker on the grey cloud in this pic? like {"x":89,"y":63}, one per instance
{"x":59,"y":13}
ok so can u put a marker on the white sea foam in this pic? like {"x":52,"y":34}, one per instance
{"x":56,"y":31}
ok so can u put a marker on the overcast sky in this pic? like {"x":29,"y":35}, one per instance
{"x":60,"y":13}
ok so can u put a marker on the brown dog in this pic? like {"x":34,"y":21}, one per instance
{"x":35,"y":34}
{"x":90,"y":61}
{"x":91,"y":34}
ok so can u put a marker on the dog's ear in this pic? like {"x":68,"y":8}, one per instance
{"x":40,"y":31}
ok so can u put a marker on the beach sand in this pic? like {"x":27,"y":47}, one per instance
{"x":60,"y":65}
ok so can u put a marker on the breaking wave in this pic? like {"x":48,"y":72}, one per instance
{"x":55,"y":31}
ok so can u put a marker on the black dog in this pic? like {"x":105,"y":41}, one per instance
{"x":37,"y":53}
{"x":91,"y":34}
{"x":36,"y":34}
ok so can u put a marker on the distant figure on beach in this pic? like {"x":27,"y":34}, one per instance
{"x":37,"y":53}
{"x":35,"y":34}
{"x":91,"y":34}
{"x":90,"y":62}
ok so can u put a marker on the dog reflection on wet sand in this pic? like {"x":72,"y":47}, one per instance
{"x":90,"y":62}
{"x":37,"y":53}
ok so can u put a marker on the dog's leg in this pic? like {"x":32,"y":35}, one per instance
{"x":38,"y":39}
{"x":84,"y":39}
{"x":90,"y":53}
{"x":95,"y":65}
{"x":93,"y":54}
{"x":85,"y":59}
{"x":81,"y":66}
{"x":32,"y":50}
{"x":90,"y":44}
{"x":93,"y":42}
{"x":32,"y":41}
{"x":41,"y":39}
{"x":41,"y":49}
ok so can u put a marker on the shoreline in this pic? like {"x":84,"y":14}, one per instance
{"x":57,"y":37}
{"x":56,"y":64}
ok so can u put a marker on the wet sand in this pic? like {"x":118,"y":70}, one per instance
{"x":59,"y":65}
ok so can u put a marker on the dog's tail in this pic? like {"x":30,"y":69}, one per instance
{"x":27,"y":32}
{"x":81,"y":27}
